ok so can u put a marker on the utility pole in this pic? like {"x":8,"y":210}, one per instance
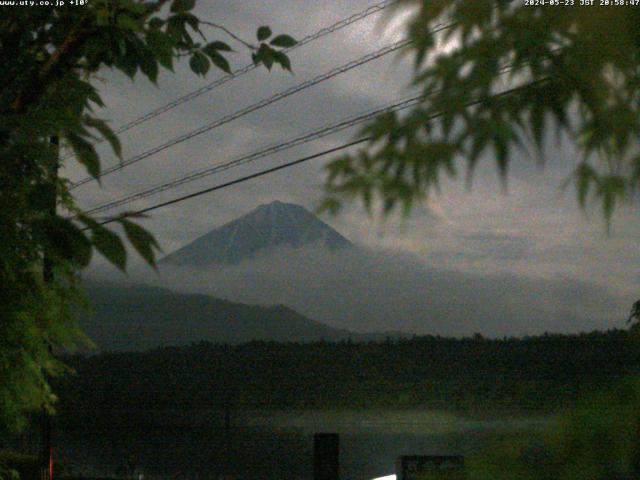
{"x":46,"y":454}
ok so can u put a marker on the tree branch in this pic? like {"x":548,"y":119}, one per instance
{"x":63,"y":54}
{"x":153,"y":8}
{"x":230,"y":33}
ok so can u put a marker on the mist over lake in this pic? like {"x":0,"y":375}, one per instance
{"x":276,"y":445}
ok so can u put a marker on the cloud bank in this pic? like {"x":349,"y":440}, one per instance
{"x":373,"y":290}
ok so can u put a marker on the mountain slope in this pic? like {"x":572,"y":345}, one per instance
{"x":269,"y":226}
{"x":141,"y":317}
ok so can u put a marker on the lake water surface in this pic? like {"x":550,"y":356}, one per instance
{"x":274,"y":444}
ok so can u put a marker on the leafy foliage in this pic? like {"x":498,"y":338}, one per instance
{"x":267,"y":55}
{"x":597,"y":440}
{"x":48,"y":57}
{"x":573,"y":75}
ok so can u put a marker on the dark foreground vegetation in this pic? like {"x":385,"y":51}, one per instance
{"x":472,"y":375}
{"x":164,"y":412}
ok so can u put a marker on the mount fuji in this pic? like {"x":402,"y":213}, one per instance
{"x":265,"y":228}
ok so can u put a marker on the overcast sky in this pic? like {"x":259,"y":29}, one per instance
{"x":532,"y":233}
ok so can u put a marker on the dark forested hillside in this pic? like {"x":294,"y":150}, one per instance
{"x":141,"y":317}
{"x":475,"y":374}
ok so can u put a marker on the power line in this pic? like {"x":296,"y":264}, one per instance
{"x":356,"y":17}
{"x":307,"y":137}
{"x":294,"y":142}
{"x":261,"y":104}
{"x":309,"y":157}
{"x":248,"y":177}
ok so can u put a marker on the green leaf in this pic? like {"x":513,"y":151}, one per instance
{"x":331,"y":205}
{"x":128,"y":23}
{"x":501,"y":149}
{"x":199,"y":63}
{"x":109,"y":245}
{"x":283,"y":60}
{"x":537,"y":123}
{"x":267,"y":60}
{"x":611,"y":188}
{"x":95,"y":98}
{"x":264,"y":32}
{"x":63,"y":240}
{"x":264,"y":55}
{"x":85,"y":153}
{"x":585,"y":174}
{"x":134,"y":7}
{"x":182,"y":5}
{"x":106,"y":132}
{"x":217,"y":45}
{"x":161,"y":45}
{"x":283,"y":41}
{"x":212,"y":50}
{"x":220,"y":62}
{"x":142,"y":241}
{"x":128,"y":61}
{"x":156,"y":23}
{"x":191,"y":19}
{"x":149,"y":66}
{"x":175,"y":27}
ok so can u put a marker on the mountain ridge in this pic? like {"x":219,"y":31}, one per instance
{"x":141,"y":317}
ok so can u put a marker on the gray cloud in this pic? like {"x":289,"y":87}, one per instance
{"x":532,"y":242}
{"x":366,"y":290}
{"x":502,"y":247}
